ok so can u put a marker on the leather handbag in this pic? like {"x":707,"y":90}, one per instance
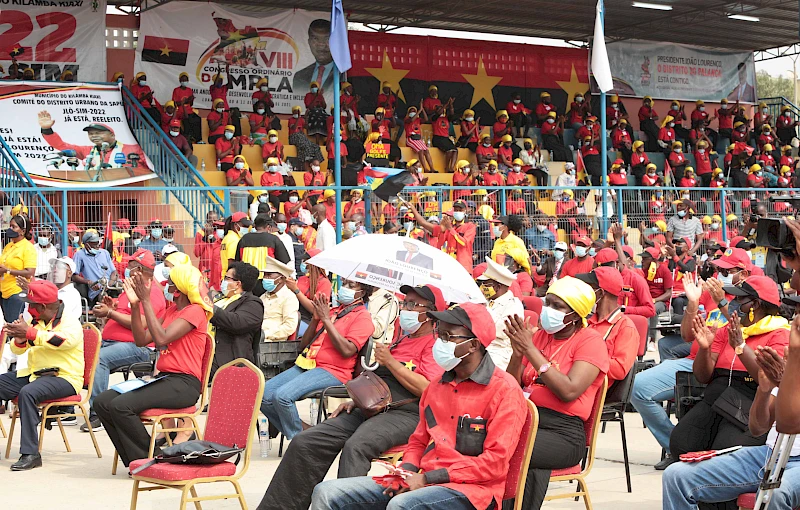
{"x":369,"y":393}
{"x":194,"y":452}
{"x":734,"y":407}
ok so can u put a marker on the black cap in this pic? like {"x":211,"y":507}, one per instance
{"x":589,"y":278}
{"x":297,"y":221}
{"x":791,"y":300}
{"x":745,"y":244}
{"x":456,"y":315}
{"x":98,"y":127}
{"x":500,"y":219}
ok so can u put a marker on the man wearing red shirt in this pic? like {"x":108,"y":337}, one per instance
{"x":699,"y":115}
{"x":455,"y":234}
{"x":485,"y":152}
{"x":725,"y":118}
{"x":635,"y":296}
{"x":756,"y":178}
{"x":582,"y":262}
{"x":613,"y":111}
{"x":647,"y":123}
{"x":430,"y":103}
{"x":609,"y":319}
{"x":207,"y":243}
{"x":492,"y":177}
{"x":677,"y":160}
{"x":183,"y":97}
{"x":217,"y":119}
{"x":579,"y":109}
{"x":786,"y":126}
{"x":227,"y":147}
{"x":703,"y":163}
{"x":500,"y":128}
{"x":552,"y":140}
{"x":543,"y":108}
{"x":519,"y":115}
{"x":263,"y":93}
{"x":473,"y":396}
{"x":440,"y":122}
{"x":505,"y":153}
{"x":660,"y":282}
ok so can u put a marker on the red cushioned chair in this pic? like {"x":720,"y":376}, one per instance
{"x":642,"y":325}
{"x":532,"y":317}
{"x":576,"y":472}
{"x":155,"y":417}
{"x":91,"y":354}
{"x":232,"y":412}
{"x":532,"y":303}
{"x":746,"y":501}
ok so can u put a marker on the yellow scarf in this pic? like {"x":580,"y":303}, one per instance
{"x":766,"y":325}
{"x":222,"y":303}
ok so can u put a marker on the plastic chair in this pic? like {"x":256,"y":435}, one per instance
{"x":532,"y":303}
{"x":232,"y":412}
{"x":91,"y":354}
{"x":531,"y":317}
{"x":642,"y":325}
{"x":577,"y":473}
{"x":618,"y":398}
{"x":154,"y":417}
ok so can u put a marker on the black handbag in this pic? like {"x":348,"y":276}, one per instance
{"x":194,"y":452}
{"x":734,"y":407}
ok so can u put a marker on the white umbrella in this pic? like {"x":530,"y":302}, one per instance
{"x":390,"y":261}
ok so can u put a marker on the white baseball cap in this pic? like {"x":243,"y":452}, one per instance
{"x":561,"y":245}
{"x":64,"y":260}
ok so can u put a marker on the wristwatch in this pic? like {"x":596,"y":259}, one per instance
{"x":723,"y":302}
{"x":297,"y":291}
{"x":544,"y":368}
{"x":739,"y":349}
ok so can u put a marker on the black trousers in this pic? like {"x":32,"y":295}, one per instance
{"x":651,"y":130}
{"x":311,"y":453}
{"x":556,"y":145}
{"x":119,"y":413}
{"x":560,"y":443}
{"x":192,"y":127}
{"x":30,"y":395}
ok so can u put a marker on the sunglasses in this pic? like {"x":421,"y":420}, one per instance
{"x":726,"y":272}
{"x":447,"y":337}
{"x":411,"y":305}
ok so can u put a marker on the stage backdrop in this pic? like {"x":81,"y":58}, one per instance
{"x":53,"y":36}
{"x":42,"y":119}
{"x":677,"y":71}
{"x":198,"y":38}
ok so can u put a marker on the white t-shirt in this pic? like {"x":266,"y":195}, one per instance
{"x":286,"y":239}
{"x":772,"y":437}
{"x":326,"y":236}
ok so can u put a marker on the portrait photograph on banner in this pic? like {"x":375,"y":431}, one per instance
{"x":205,"y":40}
{"x":53,"y":38}
{"x":71,"y":134}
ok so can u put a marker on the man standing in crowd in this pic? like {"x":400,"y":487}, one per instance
{"x":154,"y":242}
{"x":256,"y":247}
{"x":93,"y":264}
{"x":447,"y":472}
{"x":326,"y":235}
{"x":455,"y":234}
{"x":582,"y":262}
{"x":281,"y":305}
{"x":45,"y":251}
{"x":54,"y":342}
{"x":495,"y":283}
{"x":118,"y":348}
{"x":660,"y":282}
{"x":685,"y":224}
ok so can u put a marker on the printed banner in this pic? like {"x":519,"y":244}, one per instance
{"x":290,"y":48}
{"x":53,"y":36}
{"x":71,"y":133}
{"x":678,"y":71}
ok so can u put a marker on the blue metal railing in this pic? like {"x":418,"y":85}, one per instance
{"x":20,"y":188}
{"x":182,"y":179}
{"x":776,"y":104}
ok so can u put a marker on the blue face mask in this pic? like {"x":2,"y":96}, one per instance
{"x":43,"y":241}
{"x":552,"y":320}
{"x":444,"y":353}
{"x":581,"y":251}
{"x":93,"y":251}
{"x":592,"y":252}
{"x":269,"y":284}
{"x":127,"y":273}
{"x":681,"y":214}
{"x":303,"y":268}
{"x":136,"y":242}
{"x":156,"y":232}
{"x":409,"y":321}
{"x":281,"y":227}
{"x":345,"y":296}
{"x":170,"y":297}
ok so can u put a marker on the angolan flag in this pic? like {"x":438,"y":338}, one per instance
{"x":163,"y":50}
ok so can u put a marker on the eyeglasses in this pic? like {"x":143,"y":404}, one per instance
{"x":447,"y":337}
{"x":230,"y":279}
{"x":726,"y":272}
{"x":411,"y":305}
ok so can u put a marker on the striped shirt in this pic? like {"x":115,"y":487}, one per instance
{"x":684,"y":227}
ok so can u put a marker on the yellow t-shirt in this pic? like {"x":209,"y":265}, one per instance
{"x":16,"y":256}
{"x":228,"y":249}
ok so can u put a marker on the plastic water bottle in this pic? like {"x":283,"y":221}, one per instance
{"x":219,"y":166}
{"x":263,"y":436}
{"x":701,"y":311}
{"x":203,"y":164}
{"x":314,"y":409}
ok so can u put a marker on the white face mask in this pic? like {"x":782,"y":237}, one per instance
{"x":228,"y":135}
{"x":715,"y":226}
{"x":517,"y":168}
{"x":497,"y":231}
{"x":552,"y":320}
{"x":411,"y":115}
{"x":541,"y":228}
{"x":678,"y":151}
{"x":260,"y":111}
{"x":264,"y":88}
{"x":787,"y":114}
{"x":469,"y":119}
{"x":183,"y":84}
{"x":220,"y":110}
{"x":142,"y":83}
{"x":174,"y":133}
{"x":671,"y":124}
{"x":351,"y":225}
{"x":294,"y":200}
{"x":725,"y":280}
{"x":239,"y":165}
{"x":764,"y":110}
{"x":296,"y":115}
{"x":558,"y":254}
{"x":723,"y":107}
{"x":315,"y":168}
{"x":578,"y":99}
{"x":273,"y":139}
{"x":444,"y":353}
{"x":551,"y":121}
{"x":220,"y":232}
{"x":581,"y":251}
{"x":701,"y":151}
{"x":614,"y":105}
{"x":314,"y":90}
{"x":517,"y":101}
{"x":702,"y":108}
{"x":272,"y":169}
{"x":458,"y":215}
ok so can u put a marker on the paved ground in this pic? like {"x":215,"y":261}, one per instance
{"x":81,"y":480}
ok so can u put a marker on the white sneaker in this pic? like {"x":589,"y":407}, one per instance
{"x":651,"y":346}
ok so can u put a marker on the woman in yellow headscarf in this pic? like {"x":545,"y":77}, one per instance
{"x":181,"y":338}
{"x":561,"y":366}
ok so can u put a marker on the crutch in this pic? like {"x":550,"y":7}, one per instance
{"x":773,"y":472}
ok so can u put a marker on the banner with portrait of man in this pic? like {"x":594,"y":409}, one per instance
{"x":71,"y":134}
{"x":288,"y":47}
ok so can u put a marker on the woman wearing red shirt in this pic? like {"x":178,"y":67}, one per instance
{"x":296,"y":123}
{"x":561,"y":367}
{"x":227,"y":147}
{"x":761,"y":117}
{"x":765,"y":159}
{"x":647,"y":123}
{"x":207,"y":243}
{"x":786,"y":126}
{"x":315,"y":113}
{"x":516,"y":175}
{"x":688,"y":180}
{"x":263,"y":94}
{"x":765,"y":137}
{"x":617,"y":176}
{"x":500,"y":128}
{"x":144,"y":94}
{"x":260,"y":121}
{"x":217,"y":119}
{"x":621,"y":140}
{"x":432,"y":101}
{"x":518,"y":115}
{"x":666,"y":135}
{"x":639,"y":161}
{"x":470,"y":130}
{"x":272,"y":148}
{"x":544,"y":108}
{"x":677,"y":161}
{"x":485,"y":152}
{"x":413,"y":127}
{"x":725,"y":360}
{"x":551,"y":138}
{"x":703,"y":163}
{"x":740,"y":133}
{"x":725,"y":118}
{"x":217,"y":89}
{"x":180,"y":337}
{"x":349,"y":101}
{"x":461,"y":177}
{"x":440,"y":121}
{"x":579,"y":110}
{"x":331,"y":345}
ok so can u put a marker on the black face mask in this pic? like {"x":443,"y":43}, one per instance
{"x":11,"y":233}
{"x":679,"y":251}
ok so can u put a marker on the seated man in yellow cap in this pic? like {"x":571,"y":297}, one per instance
{"x":552,"y":137}
{"x":183,"y":97}
{"x":544,"y":107}
{"x":217,"y":119}
{"x":561,"y":366}
{"x":227,"y":147}
{"x":54,"y":343}
{"x":495,"y":283}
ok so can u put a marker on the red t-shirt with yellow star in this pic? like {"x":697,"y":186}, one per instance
{"x":416,"y":354}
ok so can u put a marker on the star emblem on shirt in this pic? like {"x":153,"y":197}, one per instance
{"x":410,"y":365}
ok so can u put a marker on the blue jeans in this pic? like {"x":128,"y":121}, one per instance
{"x":282,"y":391}
{"x":363,"y":492}
{"x":724,"y":478}
{"x":673,"y":347}
{"x":12,"y":307}
{"x":653,"y":386}
{"x":112,"y":356}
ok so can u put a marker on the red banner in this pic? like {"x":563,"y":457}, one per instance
{"x":481,"y":75}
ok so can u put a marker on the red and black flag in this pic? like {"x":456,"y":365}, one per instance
{"x":164,"y":50}
{"x":16,"y":51}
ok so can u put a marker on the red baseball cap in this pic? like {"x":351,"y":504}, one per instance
{"x":628,"y":250}
{"x":42,"y":292}
{"x":761,"y":287}
{"x":472,"y":316}
{"x":429,"y":292}
{"x":606,"y":278}
{"x":145,"y":258}
{"x":242,"y":218}
{"x":175,"y":123}
{"x":71,"y":227}
{"x":606,"y":255}
{"x":655,"y":253}
{"x":124,"y":223}
{"x":584,"y":240}
{"x":735,"y":242}
{"x":139,"y":230}
{"x":733,"y":257}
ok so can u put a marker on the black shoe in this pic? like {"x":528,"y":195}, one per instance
{"x":94,"y":421}
{"x":27,"y":462}
{"x":667,"y":462}
{"x":161,"y":442}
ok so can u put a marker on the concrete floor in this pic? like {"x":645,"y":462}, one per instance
{"x":81,"y":480}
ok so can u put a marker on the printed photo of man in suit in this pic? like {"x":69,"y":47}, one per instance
{"x":411,"y":255}
{"x":745,"y":91}
{"x":321,"y":71}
